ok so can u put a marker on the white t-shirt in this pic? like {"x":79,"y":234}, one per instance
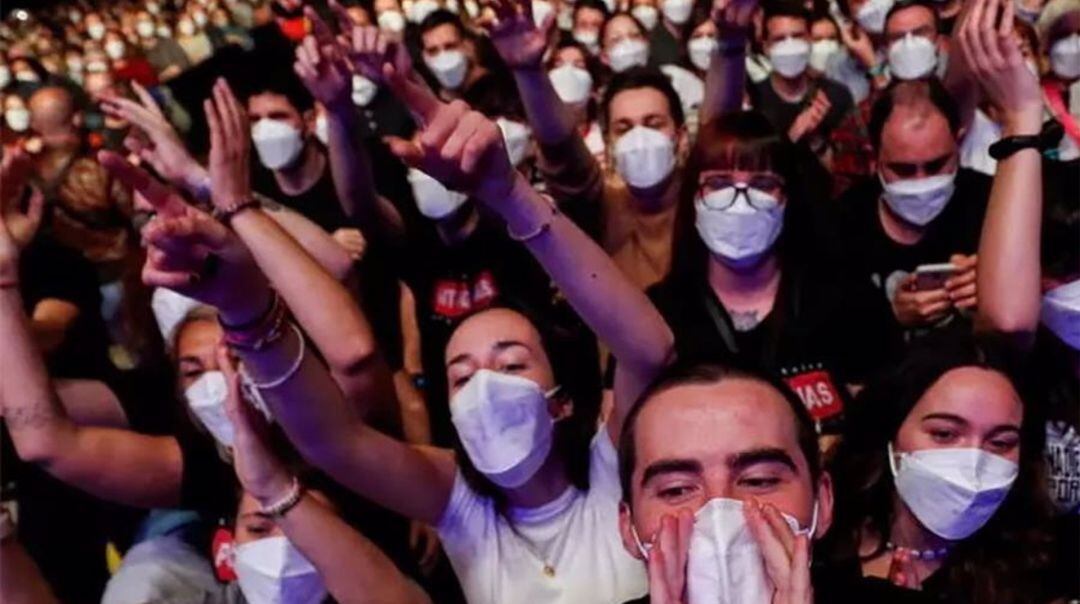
{"x":577,"y":535}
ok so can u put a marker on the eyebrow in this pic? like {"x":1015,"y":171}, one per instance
{"x":190,"y":359}
{"x":499,"y":346}
{"x":949,"y":417}
{"x":670,"y":466}
{"x":745,"y":459}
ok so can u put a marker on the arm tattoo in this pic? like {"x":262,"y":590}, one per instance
{"x":35,"y":416}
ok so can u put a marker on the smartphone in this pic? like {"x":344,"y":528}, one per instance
{"x":933,"y":276}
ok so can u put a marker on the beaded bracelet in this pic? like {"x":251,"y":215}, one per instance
{"x":259,"y":332}
{"x":540,"y":229}
{"x":226,"y":214}
{"x":287,"y":502}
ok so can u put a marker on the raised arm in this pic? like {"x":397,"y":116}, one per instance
{"x":1008,"y":274}
{"x":113,"y":464}
{"x":726,"y":80}
{"x":353,"y":569}
{"x":305,"y":400}
{"x":464,"y":150}
{"x":322,"y":64}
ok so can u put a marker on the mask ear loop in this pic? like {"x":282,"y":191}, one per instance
{"x":644,"y":548}
{"x":892,"y":458}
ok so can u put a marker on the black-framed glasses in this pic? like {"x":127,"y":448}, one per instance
{"x":758,"y":197}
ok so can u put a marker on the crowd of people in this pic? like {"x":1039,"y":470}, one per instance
{"x":540,"y":301}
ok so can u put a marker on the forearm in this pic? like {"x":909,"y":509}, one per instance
{"x":353,"y":568}
{"x":22,"y":581}
{"x":617,"y":311}
{"x":344,"y":336}
{"x":1008,"y":275}
{"x":551,"y":122}
{"x":415,"y":421}
{"x":333,"y":258}
{"x":726,"y":79}
{"x":349,"y":164}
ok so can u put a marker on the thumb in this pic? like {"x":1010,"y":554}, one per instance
{"x":232,"y":379}
{"x":406,"y":150}
{"x":158,"y":195}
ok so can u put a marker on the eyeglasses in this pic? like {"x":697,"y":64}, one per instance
{"x":759,"y":198}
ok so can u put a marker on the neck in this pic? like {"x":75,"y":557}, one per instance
{"x":62,"y":141}
{"x":673,"y":28}
{"x":791,"y":89}
{"x":898,"y":229}
{"x":303,"y":174}
{"x":745,"y":286}
{"x":906,"y":530}
{"x":547,"y":485}
{"x":459,"y":225}
{"x":658,"y":198}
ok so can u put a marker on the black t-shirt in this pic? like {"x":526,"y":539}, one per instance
{"x":450,"y":282}
{"x":664,"y":48}
{"x":49,"y":270}
{"x":859,"y":241}
{"x":823,"y":332}
{"x":781,"y":113}
{"x":319,"y":203}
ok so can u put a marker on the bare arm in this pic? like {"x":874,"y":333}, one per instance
{"x":726,"y":80}
{"x":415,"y":420}
{"x":1008,"y":272}
{"x":23,"y":582}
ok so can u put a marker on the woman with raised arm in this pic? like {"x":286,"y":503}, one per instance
{"x":527,"y":509}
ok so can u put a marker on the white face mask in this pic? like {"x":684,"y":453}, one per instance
{"x":516,"y":137}
{"x":26,"y":75}
{"x":97,"y":67}
{"x":745,"y":229}
{"x":363,"y":90}
{"x":820,"y":53}
{"x":725,"y":564}
{"x":186,"y":28}
{"x":677,"y":11}
{"x":1065,"y":57}
{"x":644,"y":157}
{"x":541,"y":9}
{"x":18,"y":119}
{"x":74,"y":65}
{"x":912,"y":57}
{"x":504,"y":426}
{"x":701,"y":51}
{"x":163,"y":31}
{"x":871,"y":16}
{"x":278,"y":144}
{"x":647,"y":14}
{"x":96,"y":30}
{"x":114,"y":49}
{"x":145,"y":29}
{"x":272,"y":571}
{"x":953,"y":492}
{"x":588,"y":38}
{"x":1061,"y":313}
{"x":790,"y":56}
{"x":628,"y":53}
{"x":75,"y":17}
{"x":206,"y":396}
{"x":153,"y":8}
{"x":433,"y":199}
{"x":322,"y":129}
{"x":421,"y":9}
{"x":919,"y":200}
{"x":572,"y":84}
{"x":449,"y":68}
{"x":5,"y":76}
{"x":391,"y":21}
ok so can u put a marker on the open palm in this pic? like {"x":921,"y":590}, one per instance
{"x":520,"y":43}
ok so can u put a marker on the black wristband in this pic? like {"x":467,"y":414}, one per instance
{"x":1047,"y":139}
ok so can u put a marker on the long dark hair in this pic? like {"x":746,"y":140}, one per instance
{"x":1003,"y":562}
{"x":743,"y":140}
{"x":571,"y":350}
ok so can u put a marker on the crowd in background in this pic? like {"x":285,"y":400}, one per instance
{"x":531,"y":301}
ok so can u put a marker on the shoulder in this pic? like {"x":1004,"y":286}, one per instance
{"x":836,"y":91}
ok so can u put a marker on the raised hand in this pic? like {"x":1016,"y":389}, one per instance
{"x":733,"y":15}
{"x":810,"y":118}
{"x":260,"y":472}
{"x":667,"y":559}
{"x":457,"y":146}
{"x":858,"y":44}
{"x":230,"y":147}
{"x":189,"y":252}
{"x":160,"y":145}
{"x":516,"y":37}
{"x":787,"y":556}
{"x":322,"y":65}
{"x":19,"y":225}
{"x":991,"y":48}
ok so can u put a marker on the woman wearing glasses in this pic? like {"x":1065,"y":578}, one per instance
{"x":746,"y":286}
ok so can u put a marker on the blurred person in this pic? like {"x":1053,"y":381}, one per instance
{"x":915,"y":47}
{"x":574,"y":73}
{"x":223,"y":32}
{"x":193,"y":40}
{"x":390,"y":18}
{"x":163,"y":53}
{"x":589,"y":17}
{"x":1059,"y":37}
{"x":623,"y":43}
{"x":128,"y":63}
{"x":665,"y":41}
{"x":646,"y":12}
{"x":16,"y":125}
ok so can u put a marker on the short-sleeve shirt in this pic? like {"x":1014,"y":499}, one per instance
{"x":499,"y":558}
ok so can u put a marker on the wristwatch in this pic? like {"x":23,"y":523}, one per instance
{"x":1047,"y":139}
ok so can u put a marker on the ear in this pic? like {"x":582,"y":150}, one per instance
{"x":825,"y":505}
{"x":682,"y":141}
{"x":309,"y":118}
{"x":626,"y":520}
{"x":560,"y":406}
{"x":78,"y":119}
